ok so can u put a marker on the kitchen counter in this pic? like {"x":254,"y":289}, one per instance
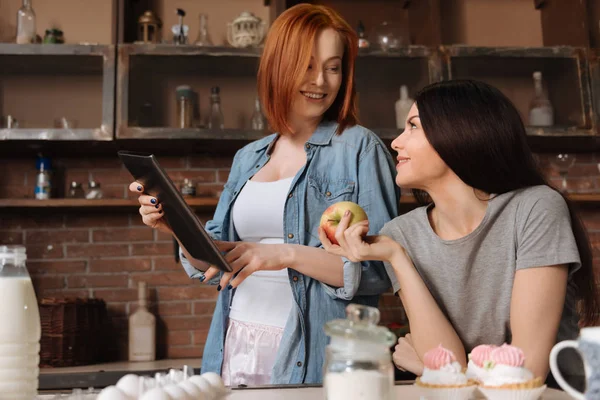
{"x":102,"y":375}
{"x":404,"y":392}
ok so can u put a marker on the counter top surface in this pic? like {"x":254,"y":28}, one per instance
{"x":404,"y":392}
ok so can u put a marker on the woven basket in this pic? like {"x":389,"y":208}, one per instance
{"x":72,"y":331}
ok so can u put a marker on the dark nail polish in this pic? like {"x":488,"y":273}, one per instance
{"x":153,"y":201}
{"x":156,"y":206}
{"x":202,"y":278}
{"x":139,"y":188}
{"x":229,"y":287}
{"x":219,"y":288}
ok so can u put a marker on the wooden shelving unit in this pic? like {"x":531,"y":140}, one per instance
{"x":48,"y":59}
{"x":199,"y":202}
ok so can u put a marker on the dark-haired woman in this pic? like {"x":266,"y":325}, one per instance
{"x":495,"y":255}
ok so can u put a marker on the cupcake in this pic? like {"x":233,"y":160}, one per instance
{"x":443,"y":377}
{"x":478,"y":359}
{"x":507,"y":378}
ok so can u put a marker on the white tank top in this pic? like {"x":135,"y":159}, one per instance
{"x":265,"y":297}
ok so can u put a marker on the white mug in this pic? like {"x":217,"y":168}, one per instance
{"x":588,"y":345}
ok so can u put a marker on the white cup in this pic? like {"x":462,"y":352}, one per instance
{"x":588,"y":336}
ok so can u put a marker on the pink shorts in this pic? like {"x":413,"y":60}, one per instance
{"x":250,"y":352}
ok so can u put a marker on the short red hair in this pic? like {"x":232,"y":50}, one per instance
{"x":285,"y":60}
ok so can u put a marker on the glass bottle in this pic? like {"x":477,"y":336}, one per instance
{"x":185,"y":106}
{"x":403,"y":105}
{"x":215,"y":120}
{"x":363,"y":43}
{"x":142,"y":329}
{"x":43,"y":182}
{"x":203,"y":36}
{"x":258,"y":119}
{"x":541,"y":112}
{"x":26,"y":24}
{"x":358,"y":361}
{"x":20,"y":330}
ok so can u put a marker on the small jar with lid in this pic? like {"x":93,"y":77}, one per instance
{"x":94,"y":191}
{"x":185,"y":106}
{"x":76,"y":191}
{"x":358,"y":362}
{"x":188,"y":189}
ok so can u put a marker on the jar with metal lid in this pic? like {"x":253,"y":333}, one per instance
{"x":358,"y":362}
{"x":94,"y":191}
{"x":76,"y":191}
{"x":185,"y":106}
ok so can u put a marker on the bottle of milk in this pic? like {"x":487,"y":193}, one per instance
{"x":20,"y":328}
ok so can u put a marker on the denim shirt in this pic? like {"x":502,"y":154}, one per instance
{"x":354,"y":166}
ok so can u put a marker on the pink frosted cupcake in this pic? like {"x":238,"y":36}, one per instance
{"x":478,"y":359}
{"x":507,"y":378}
{"x":443,"y":377}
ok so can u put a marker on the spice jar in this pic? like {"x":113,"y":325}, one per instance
{"x":185,"y":106}
{"x":188,"y":189}
{"x":358,"y":362}
{"x":94,"y":191}
{"x":76,"y":191}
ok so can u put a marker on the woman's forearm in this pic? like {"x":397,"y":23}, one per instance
{"x":198,"y":264}
{"x":316,"y":263}
{"x":429,"y":326}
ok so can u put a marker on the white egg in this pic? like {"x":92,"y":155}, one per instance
{"x":177,"y":393}
{"x":130,"y":385}
{"x":155,"y":394}
{"x":216,"y":381}
{"x":192,"y":390}
{"x":204,"y":385}
{"x":112,"y":393}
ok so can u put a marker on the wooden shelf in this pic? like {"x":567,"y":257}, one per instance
{"x":51,"y":134}
{"x":50,"y":49}
{"x":198,"y":202}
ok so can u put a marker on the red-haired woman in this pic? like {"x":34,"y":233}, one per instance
{"x":268,"y":323}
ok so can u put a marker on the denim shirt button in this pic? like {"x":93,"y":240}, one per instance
{"x":290,"y":195}
{"x":295,"y":279}
{"x":328,"y":194}
{"x":290,"y":235}
{"x":299,"y":363}
{"x":307,"y":146}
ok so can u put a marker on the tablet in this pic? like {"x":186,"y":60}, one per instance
{"x":183,"y":221}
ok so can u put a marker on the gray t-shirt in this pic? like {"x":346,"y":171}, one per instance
{"x":471,"y":278}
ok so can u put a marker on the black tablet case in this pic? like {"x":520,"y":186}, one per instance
{"x":185,"y":225}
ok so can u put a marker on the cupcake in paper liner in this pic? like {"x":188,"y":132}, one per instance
{"x":507,"y":378}
{"x":443,"y":378}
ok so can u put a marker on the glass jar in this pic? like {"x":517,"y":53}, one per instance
{"x":76,"y":191}
{"x":185,"y":106}
{"x":94,"y":191}
{"x":20,"y":330}
{"x":358,"y":362}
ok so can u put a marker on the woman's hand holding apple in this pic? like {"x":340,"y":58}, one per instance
{"x":351,"y":240}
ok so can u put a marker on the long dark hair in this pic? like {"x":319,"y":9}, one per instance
{"x":479,"y":134}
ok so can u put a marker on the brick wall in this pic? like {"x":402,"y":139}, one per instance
{"x":103,"y":253}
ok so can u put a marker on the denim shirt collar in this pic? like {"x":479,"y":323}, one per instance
{"x":321,"y":137}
